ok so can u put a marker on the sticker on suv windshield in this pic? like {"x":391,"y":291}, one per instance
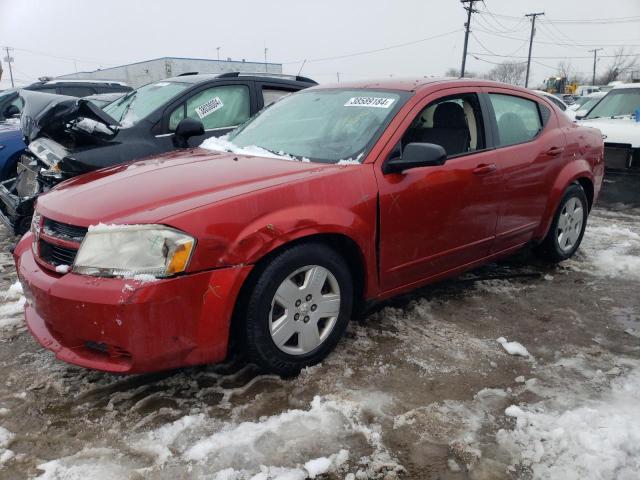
{"x":375,"y":102}
{"x":209,"y":107}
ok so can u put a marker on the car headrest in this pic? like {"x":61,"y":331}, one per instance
{"x":449,"y":115}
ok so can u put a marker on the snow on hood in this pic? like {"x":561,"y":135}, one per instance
{"x":222,"y":144}
{"x":617,"y":130}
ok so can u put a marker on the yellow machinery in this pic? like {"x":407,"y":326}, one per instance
{"x":560,"y":85}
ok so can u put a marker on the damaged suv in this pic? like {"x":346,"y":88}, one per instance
{"x":331,"y":199}
{"x":68,"y":137}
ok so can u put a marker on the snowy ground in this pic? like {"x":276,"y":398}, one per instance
{"x":420,"y":389}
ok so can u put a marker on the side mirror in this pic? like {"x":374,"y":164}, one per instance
{"x":11,"y":111}
{"x":580,"y":114}
{"x":416,"y":155}
{"x":187,"y":128}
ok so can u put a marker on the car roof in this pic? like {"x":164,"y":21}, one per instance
{"x":195,"y":78}
{"x":626,"y":85}
{"x":417,"y":83}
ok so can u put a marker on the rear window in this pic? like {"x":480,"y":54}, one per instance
{"x":518,"y":118}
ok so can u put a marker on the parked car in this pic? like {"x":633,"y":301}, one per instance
{"x":586,"y":103}
{"x":11,"y":106}
{"x":616,"y":116}
{"x":556,"y":101}
{"x":11,"y":146}
{"x":331,"y":199}
{"x":67,"y":138}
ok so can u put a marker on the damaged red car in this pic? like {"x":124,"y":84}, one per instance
{"x":331,"y":199}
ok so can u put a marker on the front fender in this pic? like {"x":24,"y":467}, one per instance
{"x":570,"y":173}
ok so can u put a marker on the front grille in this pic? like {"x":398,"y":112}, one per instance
{"x":617,"y":156}
{"x":55,"y":254}
{"x":64,"y":230}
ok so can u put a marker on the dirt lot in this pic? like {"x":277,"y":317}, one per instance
{"x":417,"y":390}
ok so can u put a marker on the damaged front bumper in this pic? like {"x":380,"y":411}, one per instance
{"x":17,"y":196}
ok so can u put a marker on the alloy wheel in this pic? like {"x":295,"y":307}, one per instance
{"x":570,"y":224}
{"x":304,"y":310}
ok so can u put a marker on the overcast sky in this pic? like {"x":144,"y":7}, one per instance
{"x":58,"y":37}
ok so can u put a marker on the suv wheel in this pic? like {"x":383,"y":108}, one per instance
{"x":298,"y":308}
{"x":567,"y":229}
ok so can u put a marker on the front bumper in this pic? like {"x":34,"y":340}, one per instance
{"x":15,"y":211}
{"x":126,"y":326}
{"x":622,"y":157}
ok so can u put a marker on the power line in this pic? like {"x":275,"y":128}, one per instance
{"x":533,"y":31}
{"x":367,"y":52}
{"x":565,"y":44}
{"x":551,"y":57}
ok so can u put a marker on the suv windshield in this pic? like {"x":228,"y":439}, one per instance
{"x":136,"y":105}
{"x":618,"y":102}
{"x":321,"y":125}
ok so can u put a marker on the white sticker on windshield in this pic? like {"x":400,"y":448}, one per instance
{"x":209,"y":107}
{"x":161,"y":84}
{"x":374,"y":102}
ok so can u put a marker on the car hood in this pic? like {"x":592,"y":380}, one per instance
{"x":617,"y":130}
{"x":46,"y":114}
{"x":151,"y":190}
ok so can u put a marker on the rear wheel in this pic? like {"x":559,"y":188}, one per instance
{"x":569,"y":223}
{"x":298,"y":308}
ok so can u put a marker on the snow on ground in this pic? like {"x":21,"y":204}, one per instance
{"x":597,"y":439}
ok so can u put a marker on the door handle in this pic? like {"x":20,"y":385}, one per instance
{"x":485,"y":169}
{"x":555,"y":151}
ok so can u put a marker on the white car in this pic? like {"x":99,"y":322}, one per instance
{"x":584,"y":104}
{"x":558,"y":101}
{"x":617,"y":115}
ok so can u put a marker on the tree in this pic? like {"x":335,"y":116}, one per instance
{"x":621,"y":66}
{"x":454,"y":72}
{"x":508,"y":72}
{"x":566,"y":70}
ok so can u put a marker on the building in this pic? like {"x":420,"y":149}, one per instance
{"x":141,"y":73}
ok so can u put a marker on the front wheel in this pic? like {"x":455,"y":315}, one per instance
{"x":569,"y":223}
{"x":298,"y":308}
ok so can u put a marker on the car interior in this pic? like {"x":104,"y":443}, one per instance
{"x":453,"y":123}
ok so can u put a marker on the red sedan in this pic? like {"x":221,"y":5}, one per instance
{"x":332,"y":198}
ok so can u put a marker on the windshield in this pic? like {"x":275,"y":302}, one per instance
{"x":590,"y":103}
{"x":7,"y":93}
{"x":321,"y":125}
{"x":136,"y":105}
{"x":618,"y":102}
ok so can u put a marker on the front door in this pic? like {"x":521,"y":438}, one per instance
{"x":435,"y":219}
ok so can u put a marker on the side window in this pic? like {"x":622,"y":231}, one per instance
{"x":76,"y":91}
{"x":518,"y":118}
{"x":216,"y":107}
{"x":270,"y":95}
{"x":47,"y":90}
{"x":17,"y":102}
{"x":558,"y":103}
{"x":453,"y":122}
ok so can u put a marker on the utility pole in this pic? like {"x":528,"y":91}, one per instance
{"x":218,"y":50}
{"x":595,"y":59}
{"x":470,"y":10}
{"x":338,"y":75}
{"x":533,"y":31}
{"x":9,"y":60}
{"x":265,"y":59}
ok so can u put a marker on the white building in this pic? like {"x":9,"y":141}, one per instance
{"x":141,"y":73}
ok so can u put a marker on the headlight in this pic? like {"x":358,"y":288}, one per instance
{"x":48,"y":151}
{"x":1,"y":147}
{"x":130,"y":250}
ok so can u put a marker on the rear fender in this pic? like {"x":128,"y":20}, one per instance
{"x":570,"y":173}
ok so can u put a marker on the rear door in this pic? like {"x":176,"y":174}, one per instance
{"x":435,"y":219}
{"x":529,"y":151}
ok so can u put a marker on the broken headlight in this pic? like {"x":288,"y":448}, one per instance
{"x":47,"y":151}
{"x":132,"y":250}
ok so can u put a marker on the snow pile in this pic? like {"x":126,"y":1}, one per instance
{"x":222,"y":144}
{"x":600,"y":439}
{"x":12,"y":306}
{"x":62,"y":269}
{"x":513,"y":348}
{"x":6,"y":437}
{"x":612,"y":249}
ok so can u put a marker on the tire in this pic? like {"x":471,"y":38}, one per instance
{"x":568,"y":226}
{"x":279,"y":331}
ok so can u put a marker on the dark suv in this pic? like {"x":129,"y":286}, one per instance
{"x":72,"y":88}
{"x":68,"y":137}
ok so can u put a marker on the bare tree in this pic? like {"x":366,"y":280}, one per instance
{"x":508,"y":72}
{"x":622,"y":64}
{"x":454,"y":72}
{"x":566,"y":70}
